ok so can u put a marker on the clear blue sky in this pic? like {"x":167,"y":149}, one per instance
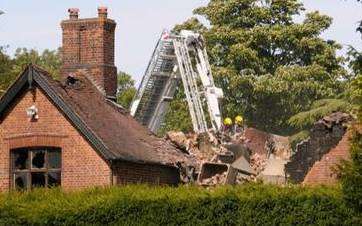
{"x":35,"y":24}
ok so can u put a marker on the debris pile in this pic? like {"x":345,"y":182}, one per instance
{"x":232,"y":160}
{"x":255,"y":155}
{"x":257,"y":163}
{"x":214,"y":180}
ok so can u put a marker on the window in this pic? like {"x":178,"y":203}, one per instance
{"x":36,"y":167}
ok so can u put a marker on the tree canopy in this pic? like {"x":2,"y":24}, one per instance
{"x":126,"y":89}
{"x":10,"y":68}
{"x":269,"y":66}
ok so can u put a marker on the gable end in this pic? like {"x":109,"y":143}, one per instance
{"x":31,"y":75}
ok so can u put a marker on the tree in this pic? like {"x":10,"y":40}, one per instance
{"x":50,"y":60}
{"x":6,"y":75}
{"x":126,"y":89}
{"x":10,"y":68}
{"x":177,"y":117}
{"x":354,"y":56}
{"x":269,"y":66}
{"x":351,"y":171}
{"x":345,"y":101}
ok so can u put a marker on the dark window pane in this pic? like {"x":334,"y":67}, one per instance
{"x":21,"y":180}
{"x":54,"y":159}
{"x":37,"y":180}
{"x":20,"y":159}
{"x":54,"y":179}
{"x":38,"y":159}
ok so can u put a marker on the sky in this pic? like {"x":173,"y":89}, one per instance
{"x":36,"y":24}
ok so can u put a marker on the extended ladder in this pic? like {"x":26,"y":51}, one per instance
{"x":175,"y":58}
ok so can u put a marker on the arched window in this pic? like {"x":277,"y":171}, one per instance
{"x":36,"y":167}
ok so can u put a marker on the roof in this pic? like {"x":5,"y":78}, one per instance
{"x":113,"y":133}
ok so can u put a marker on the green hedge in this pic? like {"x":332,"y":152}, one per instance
{"x":143,"y":205}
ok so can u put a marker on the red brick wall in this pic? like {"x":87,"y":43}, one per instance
{"x":126,"y":172}
{"x":89,"y":44}
{"x":81,"y":165}
{"x":322,"y":171}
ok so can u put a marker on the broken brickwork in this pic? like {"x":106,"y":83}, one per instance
{"x":325,"y":134}
{"x":323,"y":171}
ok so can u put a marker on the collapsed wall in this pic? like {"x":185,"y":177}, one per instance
{"x":325,"y":135}
{"x":322,"y":171}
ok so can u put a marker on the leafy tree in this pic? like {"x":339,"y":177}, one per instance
{"x":351,"y":171}
{"x":355,"y":60}
{"x":319,"y":109}
{"x":50,"y":60}
{"x":6,"y":75}
{"x":345,"y":101}
{"x":10,"y":68}
{"x":126,"y":89}
{"x":269,"y":66}
{"x":177,"y":117}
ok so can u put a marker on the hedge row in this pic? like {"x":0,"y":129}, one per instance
{"x":143,"y":205}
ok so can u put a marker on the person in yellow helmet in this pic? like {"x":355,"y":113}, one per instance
{"x":239,"y":124}
{"x":227,"y":127}
{"x":239,"y":120}
{"x":228,"y":122}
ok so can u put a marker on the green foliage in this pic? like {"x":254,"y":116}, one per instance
{"x":319,"y":109}
{"x":10,"y":68}
{"x":269,"y":66}
{"x":191,"y":24}
{"x":351,"y":174}
{"x":351,"y":171}
{"x":177,"y":117}
{"x":6,"y":75}
{"x":50,"y":60}
{"x":355,"y":60}
{"x":126,"y":89}
{"x":356,"y":95}
{"x":142,"y":205}
{"x":298,"y":137}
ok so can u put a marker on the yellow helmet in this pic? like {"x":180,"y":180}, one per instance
{"x":228,"y":122}
{"x":239,"y":119}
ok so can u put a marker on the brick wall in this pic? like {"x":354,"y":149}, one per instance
{"x":81,"y":165}
{"x":323,"y":171}
{"x":126,"y":172}
{"x":325,"y":134}
{"x":89,"y":44}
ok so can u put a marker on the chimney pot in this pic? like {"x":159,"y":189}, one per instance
{"x":102,"y":12}
{"x":73,"y":13}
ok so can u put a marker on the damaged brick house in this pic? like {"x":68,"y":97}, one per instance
{"x":70,"y":132}
{"x":316,"y":158}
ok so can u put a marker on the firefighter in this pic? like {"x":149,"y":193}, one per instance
{"x":228,"y":123}
{"x":239,"y":124}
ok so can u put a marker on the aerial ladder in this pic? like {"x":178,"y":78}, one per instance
{"x":178,"y":58}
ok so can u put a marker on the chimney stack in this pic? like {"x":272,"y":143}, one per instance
{"x":73,"y":13}
{"x":102,"y":12}
{"x":88,"y":45}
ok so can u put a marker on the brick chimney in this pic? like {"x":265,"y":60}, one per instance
{"x":88,"y":44}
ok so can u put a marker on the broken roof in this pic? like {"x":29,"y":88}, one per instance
{"x":113,"y":133}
